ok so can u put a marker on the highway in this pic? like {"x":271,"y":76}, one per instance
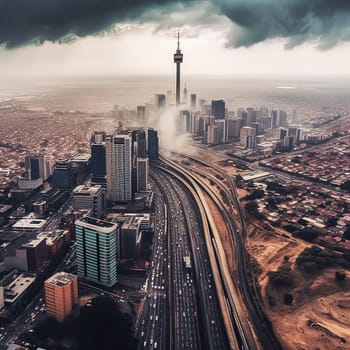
{"x":261,"y":324}
{"x":152,"y":324}
{"x":196,"y":307}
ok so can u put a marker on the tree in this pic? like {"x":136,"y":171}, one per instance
{"x":308,"y":234}
{"x":340,"y":276}
{"x":281,"y":278}
{"x":332,"y":221}
{"x":288,"y":299}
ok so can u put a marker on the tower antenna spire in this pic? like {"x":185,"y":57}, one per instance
{"x":178,"y":57}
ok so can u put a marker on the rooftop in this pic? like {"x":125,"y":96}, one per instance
{"x":87,"y":190}
{"x":28,"y":223}
{"x":96,"y":224}
{"x":18,"y":286}
{"x":61,"y":279}
{"x":34,"y":242}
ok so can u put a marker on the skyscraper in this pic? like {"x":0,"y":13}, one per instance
{"x":152,"y":148}
{"x":141,"y":115}
{"x":142,"y":174}
{"x":193,"y":101}
{"x":218,"y":109}
{"x":90,"y":197}
{"x":247,"y":137}
{"x":98,"y":159}
{"x":35,"y":166}
{"x":185,"y":95}
{"x":160,"y":101}
{"x":62,"y":176}
{"x":97,"y":249}
{"x":119,"y":167}
{"x":178,"y":58}
{"x":61,"y":294}
{"x":141,"y":145}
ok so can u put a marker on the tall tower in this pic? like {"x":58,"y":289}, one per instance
{"x":178,"y":57}
{"x":119,"y":167}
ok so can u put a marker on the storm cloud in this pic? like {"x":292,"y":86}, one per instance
{"x":324,"y":22}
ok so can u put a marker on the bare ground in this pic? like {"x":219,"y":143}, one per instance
{"x":320,"y":298}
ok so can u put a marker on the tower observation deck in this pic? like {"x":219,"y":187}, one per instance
{"x":178,"y":58}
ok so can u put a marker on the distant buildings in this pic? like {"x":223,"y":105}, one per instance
{"x":61,"y":294}
{"x":160,"y":101}
{"x":141,"y":114}
{"x":247,"y":137}
{"x":218,"y":109}
{"x":97,"y":247}
{"x":193,"y":101}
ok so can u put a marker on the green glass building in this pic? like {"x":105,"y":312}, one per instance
{"x":97,"y":247}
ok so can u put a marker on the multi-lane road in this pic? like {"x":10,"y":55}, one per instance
{"x":152,"y":324}
{"x":195,"y":320}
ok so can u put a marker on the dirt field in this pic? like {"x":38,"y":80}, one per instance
{"x":320,"y":298}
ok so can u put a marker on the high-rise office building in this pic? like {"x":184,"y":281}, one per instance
{"x":169,"y":97}
{"x":247,"y":137}
{"x":222,"y":126}
{"x":185,"y":95}
{"x":98,"y":159}
{"x":97,"y":249}
{"x":36,"y":166}
{"x":119,"y":167}
{"x":178,"y":58}
{"x":185,"y":121}
{"x":141,"y":144}
{"x":218,"y":109}
{"x":90,"y":197}
{"x":61,"y":294}
{"x":153,"y":144}
{"x":213,"y":135}
{"x":233,"y":127}
{"x":160,"y":101}
{"x":141,"y":115}
{"x":142,"y":174}
{"x":62,"y":174}
{"x":193,"y":101}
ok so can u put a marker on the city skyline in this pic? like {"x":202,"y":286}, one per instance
{"x":144,"y":206}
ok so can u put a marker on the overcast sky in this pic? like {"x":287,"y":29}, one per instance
{"x":53,"y":38}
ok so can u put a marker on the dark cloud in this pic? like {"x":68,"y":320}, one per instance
{"x":327,"y":22}
{"x":34,"y":21}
